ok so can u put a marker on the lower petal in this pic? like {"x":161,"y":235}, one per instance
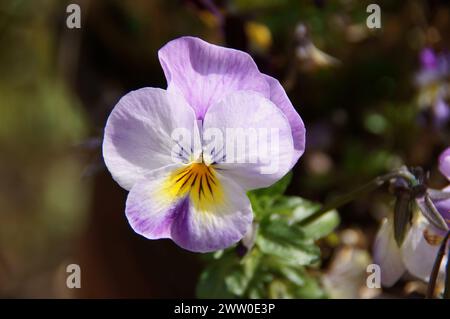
{"x":216,"y":226}
{"x":418,"y":250}
{"x":387,"y":254}
{"x":444,"y":163}
{"x":200,"y":212}
{"x":149,"y":212}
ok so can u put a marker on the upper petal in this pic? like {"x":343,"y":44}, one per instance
{"x":387,"y":254}
{"x":279,"y":97}
{"x":138,"y":133}
{"x":204,"y":73}
{"x":444,"y":163}
{"x":256,"y":148}
{"x":217,"y":226}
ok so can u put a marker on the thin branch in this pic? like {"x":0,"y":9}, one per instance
{"x":342,"y":200}
{"x":436,"y":267}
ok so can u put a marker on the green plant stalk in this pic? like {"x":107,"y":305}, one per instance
{"x":447,"y":278}
{"x":344,"y":199}
{"x":436,"y":266}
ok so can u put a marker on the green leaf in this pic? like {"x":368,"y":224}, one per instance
{"x":278,"y":237}
{"x":304,"y":209}
{"x":292,"y":251}
{"x":286,"y":205}
{"x":258,"y":291}
{"x":322,"y":226}
{"x":211,"y":283}
{"x":280,"y":205}
{"x":276,"y":189}
{"x":291,"y":255}
{"x":310,"y":289}
{"x":279,"y":290}
{"x":238,"y":280}
{"x":292,"y":274}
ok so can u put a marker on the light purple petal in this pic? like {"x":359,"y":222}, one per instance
{"x":387,"y":254}
{"x":138,"y":132}
{"x":264,"y":156}
{"x":443,"y":207}
{"x":444,"y":163}
{"x":204,"y":73}
{"x":428,"y":59}
{"x":217,"y":228}
{"x":154,"y":213}
{"x":149,"y":212}
{"x":279,"y":97}
{"x":441,"y":111}
{"x":418,"y":255}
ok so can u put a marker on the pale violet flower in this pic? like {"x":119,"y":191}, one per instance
{"x":416,"y":255}
{"x":443,"y":206}
{"x":198,"y":198}
{"x":419,"y":249}
{"x":433,"y":83}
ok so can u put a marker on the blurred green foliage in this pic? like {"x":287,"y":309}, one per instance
{"x":43,"y":197}
{"x":282,"y":256}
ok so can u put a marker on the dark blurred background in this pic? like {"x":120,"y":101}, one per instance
{"x":360,"y":92}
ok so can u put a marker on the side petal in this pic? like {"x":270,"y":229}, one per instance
{"x":257,"y":146}
{"x":443,"y":207}
{"x":419,"y":255}
{"x":444,"y":163}
{"x":149,"y":212}
{"x":387,"y":254}
{"x":204,"y":73}
{"x":279,"y":97}
{"x":219,"y":226}
{"x":138,"y":132}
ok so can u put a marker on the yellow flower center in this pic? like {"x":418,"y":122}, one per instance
{"x":197,"y":180}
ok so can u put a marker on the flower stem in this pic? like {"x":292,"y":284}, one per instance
{"x":344,"y":199}
{"x":436,"y":266}
{"x":447,"y":278}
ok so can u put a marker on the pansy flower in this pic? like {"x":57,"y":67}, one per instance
{"x":179,"y":188}
{"x":433,"y":83}
{"x":443,"y":206}
{"x":418,"y":252}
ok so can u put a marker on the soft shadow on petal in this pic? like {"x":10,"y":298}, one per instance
{"x":387,"y":254}
{"x":267,"y":145}
{"x":279,"y":97}
{"x":204,"y":73}
{"x":150,"y":212}
{"x":219,"y":227}
{"x":138,"y":133}
{"x":418,"y":255}
{"x":444,"y":163}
